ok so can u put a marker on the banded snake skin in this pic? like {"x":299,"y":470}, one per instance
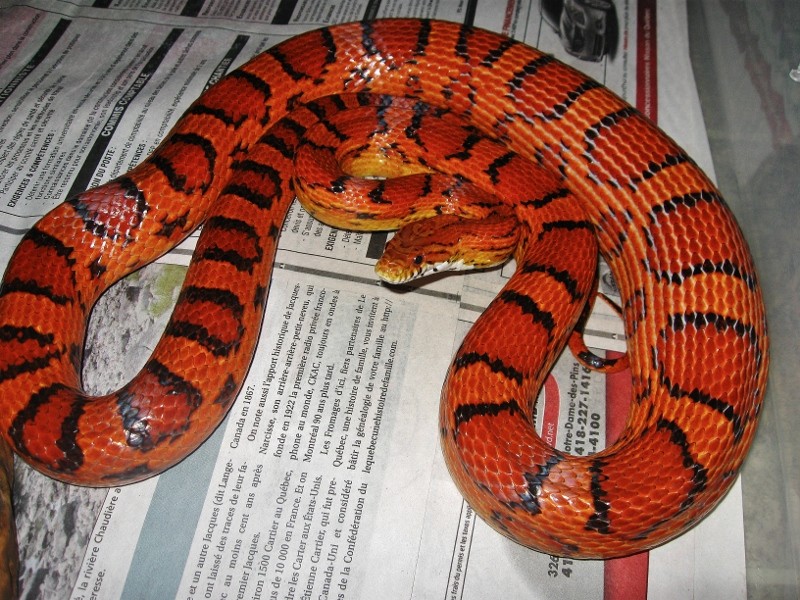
{"x":601,"y":176}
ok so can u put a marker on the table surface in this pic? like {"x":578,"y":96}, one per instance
{"x":742,"y":53}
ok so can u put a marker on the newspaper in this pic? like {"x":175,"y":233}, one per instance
{"x":326,"y":479}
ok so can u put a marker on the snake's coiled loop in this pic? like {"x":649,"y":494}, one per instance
{"x":694,"y":317}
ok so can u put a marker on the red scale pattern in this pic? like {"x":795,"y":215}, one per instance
{"x":678,"y":453}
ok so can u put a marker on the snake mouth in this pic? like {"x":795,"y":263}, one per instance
{"x":399,"y":273}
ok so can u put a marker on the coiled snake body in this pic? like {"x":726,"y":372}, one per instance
{"x":694,"y":319}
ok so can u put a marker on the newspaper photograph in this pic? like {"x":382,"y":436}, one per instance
{"x":326,"y":479}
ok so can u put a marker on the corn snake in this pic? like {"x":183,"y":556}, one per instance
{"x":689,"y":290}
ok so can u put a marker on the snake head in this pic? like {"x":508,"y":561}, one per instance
{"x":447,"y":243}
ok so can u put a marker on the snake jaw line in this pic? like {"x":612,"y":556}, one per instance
{"x":406,"y":272}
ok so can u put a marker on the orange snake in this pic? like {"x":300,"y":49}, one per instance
{"x":693,"y":313}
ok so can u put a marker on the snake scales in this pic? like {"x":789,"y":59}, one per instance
{"x":693,"y":313}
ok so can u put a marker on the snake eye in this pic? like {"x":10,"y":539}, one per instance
{"x":418,"y":259}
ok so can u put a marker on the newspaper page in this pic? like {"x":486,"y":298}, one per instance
{"x":326,"y":479}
